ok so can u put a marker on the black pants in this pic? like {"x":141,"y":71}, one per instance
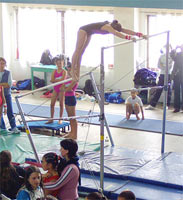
{"x":178,"y":89}
{"x":158,"y":92}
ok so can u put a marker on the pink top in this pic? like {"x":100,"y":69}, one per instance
{"x":58,"y":76}
{"x":72,"y":92}
{"x":67,"y":184}
{"x":1,"y":96}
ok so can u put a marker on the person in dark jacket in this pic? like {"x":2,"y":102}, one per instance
{"x":177,"y":76}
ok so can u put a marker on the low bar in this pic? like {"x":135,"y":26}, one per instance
{"x":54,"y":84}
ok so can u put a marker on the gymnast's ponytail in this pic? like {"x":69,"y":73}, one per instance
{"x":117,"y":26}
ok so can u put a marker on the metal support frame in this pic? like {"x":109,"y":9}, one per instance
{"x":27,"y":130}
{"x":165,"y":95}
{"x":102,"y":79}
{"x":97,"y":93}
{"x":102,"y":121}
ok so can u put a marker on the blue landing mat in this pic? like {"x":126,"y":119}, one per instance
{"x":139,"y":166}
{"x":113,"y":187}
{"x":151,"y":125}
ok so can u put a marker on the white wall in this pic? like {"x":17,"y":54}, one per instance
{"x":124,"y":56}
{"x":1,"y":31}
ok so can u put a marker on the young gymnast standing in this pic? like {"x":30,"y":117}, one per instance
{"x":57,"y":75}
{"x":84,"y":36}
{"x":70,"y":104}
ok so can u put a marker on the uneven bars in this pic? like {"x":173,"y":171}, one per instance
{"x":54,"y":84}
{"x":140,"y":89}
{"x":65,"y":118}
{"x":130,"y":41}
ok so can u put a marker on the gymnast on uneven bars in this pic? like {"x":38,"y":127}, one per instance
{"x":84,"y":36}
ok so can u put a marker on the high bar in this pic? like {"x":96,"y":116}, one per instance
{"x":65,"y":118}
{"x":130,"y":41}
{"x":54,"y":84}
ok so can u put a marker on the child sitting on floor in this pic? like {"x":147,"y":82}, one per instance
{"x":134,"y":105}
{"x":49,"y":163}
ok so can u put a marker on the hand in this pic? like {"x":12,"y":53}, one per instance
{"x":145,"y":37}
{"x":143,"y":118}
{"x":133,"y":39}
{"x":5,"y":111}
{"x":47,"y":175}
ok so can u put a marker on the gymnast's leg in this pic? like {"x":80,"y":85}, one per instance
{"x":82,"y":40}
{"x":71,"y":111}
{"x":129,"y":110}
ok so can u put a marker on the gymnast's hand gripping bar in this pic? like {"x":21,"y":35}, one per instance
{"x":130,"y":41}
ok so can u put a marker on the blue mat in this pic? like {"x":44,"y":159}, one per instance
{"x":149,"y":175}
{"x":141,"y":166}
{"x":113,"y":187}
{"x":151,"y":125}
{"x":55,"y":126}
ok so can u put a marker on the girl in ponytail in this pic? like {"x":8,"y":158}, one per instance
{"x":49,"y":164}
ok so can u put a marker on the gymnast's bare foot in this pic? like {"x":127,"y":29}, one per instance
{"x":127,"y":116}
{"x":138,"y":118}
{"x":49,"y":122}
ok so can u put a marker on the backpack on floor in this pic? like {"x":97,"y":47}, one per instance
{"x":88,"y":88}
{"x":24,"y":84}
{"x":39,"y":82}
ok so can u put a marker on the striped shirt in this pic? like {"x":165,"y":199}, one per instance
{"x":67,"y":184}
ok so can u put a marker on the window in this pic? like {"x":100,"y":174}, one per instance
{"x":40,"y":29}
{"x":160,"y":23}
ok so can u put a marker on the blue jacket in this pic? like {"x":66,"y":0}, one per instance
{"x":5,"y":80}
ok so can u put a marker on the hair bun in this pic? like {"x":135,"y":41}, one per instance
{"x":115,"y":21}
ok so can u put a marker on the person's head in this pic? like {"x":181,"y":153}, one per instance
{"x":5,"y":159}
{"x":2,"y":63}
{"x":95,"y":196}
{"x":59,"y":61}
{"x":33,"y":178}
{"x":181,"y":47}
{"x":49,"y":161}
{"x":69,"y":148}
{"x":133,"y":92}
{"x":117,"y":26}
{"x":126,"y":195}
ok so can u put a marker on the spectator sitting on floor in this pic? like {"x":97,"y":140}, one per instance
{"x":12,"y":177}
{"x":134,"y":105}
{"x":33,"y":185}
{"x":69,"y":172}
{"x":49,"y":163}
{"x":126,"y":195}
{"x":95,"y":195}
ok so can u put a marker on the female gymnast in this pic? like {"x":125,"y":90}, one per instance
{"x":84,"y":36}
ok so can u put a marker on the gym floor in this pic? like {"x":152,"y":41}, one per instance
{"x":132,"y":139}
